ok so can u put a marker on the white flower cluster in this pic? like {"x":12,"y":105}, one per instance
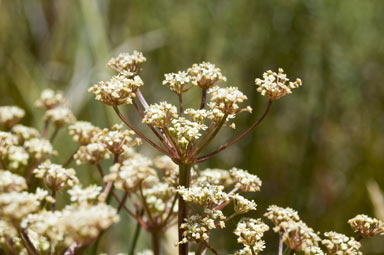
{"x":278,"y":214}
{"x":250,"y":233}
{"x":50,"y":99}
{"x":245,"y":181}
{"x":169,"y":169}
{"x":10,"y":182}
{"x":204,"y":196}
{"x":366,"y":226}
{"x":273,"y":85}
{"x":24,"y":133}
{"x":197,"y":227}
{"x":82,"y":223}
{"x":39,"y":149}
{"x":127,"y":62}
{"x":198,"y":115}
{"x":17,"y":156}
{"x":133,"y":172}
{"x":294,"y":232}
{"x":55,"y":176}
{"x":215,"y":176}
{"x":6,"y":141}
{"x":9,"y":238}
{"x":83,"y":131}
{"x":45,"y":230}
{"x":10,"y":115}
{"x":14,"y":206}
{"x":179,"y":82}
{"x":339,"y":244}
{"x":186,"y":131}
{"x":60,"y":116}
{"x":92,"y":153}
{"x":297,"y":235}
{"x":86,"y":195}
{"x":158,"y":198}
{"x":206,"y":75}
{"x":119,"y":90}
{"x":228,"y":100}
{"x":116,"y":139}
{"x":160,"y":115}
{"x":242,"y":205}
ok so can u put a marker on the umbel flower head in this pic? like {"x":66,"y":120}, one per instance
{"x":245,"y":181}
{"x":50,"y":99}
{"x":55,"y":176}
{"x":339,"y":244}
{"x":206,"y":75}
{"x":228,"y":100}
{"x":294,"y":233}
{"x":14,"y":206}
{"x":179,"y":82}
{"x":117,"y":91}
{"x":130,"y":63}
{"x":186,"y":131}
{"x":130,"y":174}
{"x":87,"y":195}
{"x":84,"y":222}
{"x":197,"y":227}
{"x":276,"y":85}
{"x":6,"y":141}
{"x":10,"y":115}
{"x":24,"y":133}
{"x":44,"y":227}
{"x":366,"y":226}
{"x":250,"y":233}
{"x":117,"y":139}
{"x":60,"y":116}
{"x":39,"y":149}
{"x":17,"y":156}
{"x":83,"y":131}
{"x":92,"y":153}
{"x":160,"y":115}
{"x":206,"y":196}
{"x":10,"y":182}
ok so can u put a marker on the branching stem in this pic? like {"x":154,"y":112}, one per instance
{"x":141,"y":135}
{"x":207,"y":156}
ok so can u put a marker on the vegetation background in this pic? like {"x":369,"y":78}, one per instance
{"x":320,"y":151}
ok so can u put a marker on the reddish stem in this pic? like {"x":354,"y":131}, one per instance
{"x":207,"y":156}
{"x":140,"y":134}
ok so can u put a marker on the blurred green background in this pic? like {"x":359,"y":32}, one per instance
{"x":320,"y":150}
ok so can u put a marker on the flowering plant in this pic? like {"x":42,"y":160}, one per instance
{"x":158,"y":193}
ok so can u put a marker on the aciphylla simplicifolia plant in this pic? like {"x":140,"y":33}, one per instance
{"x":183,"y":134}
{"x":158,"y":193}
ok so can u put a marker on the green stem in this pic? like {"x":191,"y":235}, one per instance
{"x":136,"y":236}
{"x":184,"y":180}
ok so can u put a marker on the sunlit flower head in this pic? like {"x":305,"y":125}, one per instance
{"x":276,"y":85}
